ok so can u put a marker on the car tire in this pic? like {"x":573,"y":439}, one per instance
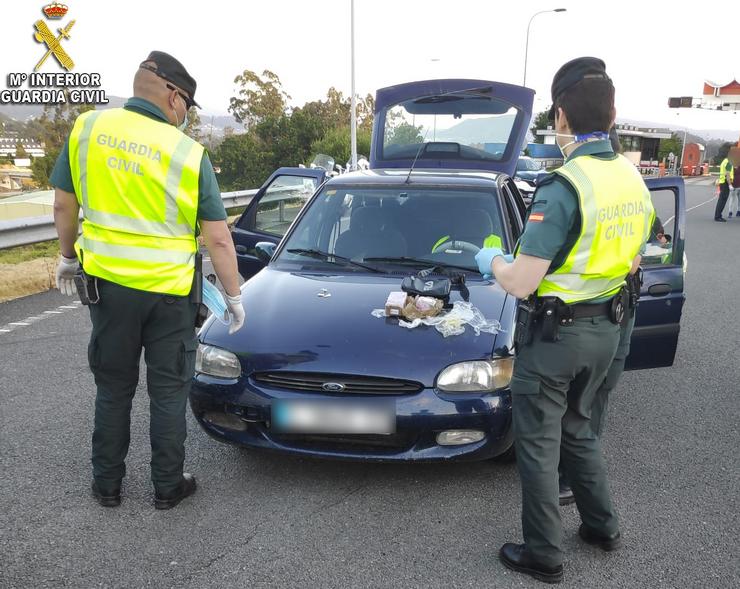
{"x":507,"y":456}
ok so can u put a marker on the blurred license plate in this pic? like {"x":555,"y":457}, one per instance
{"x":319,"y":416}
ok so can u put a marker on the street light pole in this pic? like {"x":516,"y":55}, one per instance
{"x":683,"y":150}
{"x":526,"y":47}
{"x":353,"y":122}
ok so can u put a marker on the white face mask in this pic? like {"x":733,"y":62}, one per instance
{"x":564,"y":147}
{"x":579,"y":139}
{"x":180,"y":126}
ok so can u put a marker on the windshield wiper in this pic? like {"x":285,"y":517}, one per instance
{"x":417,"y":262}
{"x":331,"y":258}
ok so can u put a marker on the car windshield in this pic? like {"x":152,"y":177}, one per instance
{"x":383,"y":227}
{"x":455,"y":126}
{"x":526,"y":165}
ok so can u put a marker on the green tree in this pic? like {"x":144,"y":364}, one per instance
{"x":19,"y":150}
{"x":41,"y":167}
{"x":193,"y":127}
{"x":336,"y":143}
{"x":259,"y":97}
{"x":722,"y":152}
{"x":540,"y":122}
{"x":336,"y":110}
{"x":404,"y":134}
{"x":244,"y":162}
{"x":672,"y":145}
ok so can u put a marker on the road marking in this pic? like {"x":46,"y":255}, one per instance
{"x":12,"y":326}
{"x":690,"y":209}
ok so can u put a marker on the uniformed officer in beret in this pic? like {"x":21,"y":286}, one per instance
{"x":145,"y":190}
{"x":601,"y":397}
{"x":584,"y":231}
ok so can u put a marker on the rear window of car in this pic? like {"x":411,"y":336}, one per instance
{"x":450,"y":127}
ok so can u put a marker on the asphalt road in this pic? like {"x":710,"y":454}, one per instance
{"x":263,"y":520}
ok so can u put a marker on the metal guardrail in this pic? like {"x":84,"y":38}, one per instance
{"x":28,"y":230}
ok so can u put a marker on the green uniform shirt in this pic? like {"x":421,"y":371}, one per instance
{"x":210,"y":204}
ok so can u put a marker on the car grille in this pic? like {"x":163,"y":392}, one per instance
{"x":311,"y":382}
{"x":352,"y":443}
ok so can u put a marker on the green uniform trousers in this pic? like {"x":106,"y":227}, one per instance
{"x":601,"y":398}
{"x":553,"y":391}
{"x":124,"y":322}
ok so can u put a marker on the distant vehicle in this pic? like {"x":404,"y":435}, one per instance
{"x":528,"y":169}
{"x":312,"y":372}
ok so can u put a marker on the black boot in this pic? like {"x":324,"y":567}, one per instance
{"x":566,"y":496}
{"x":187,"y":488}
{"x":515,"y":557}
{"x":108,"y":498}
{"x":607,"y":543}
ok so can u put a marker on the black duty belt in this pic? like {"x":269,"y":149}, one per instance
{"x":581,"y":310}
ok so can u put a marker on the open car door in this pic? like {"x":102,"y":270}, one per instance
{"x":271,"y":211}
{"x":662,"y":297}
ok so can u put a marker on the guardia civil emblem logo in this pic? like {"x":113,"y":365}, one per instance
{"x":53,"y":43}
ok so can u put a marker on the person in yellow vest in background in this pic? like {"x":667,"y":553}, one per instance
{"x":145,"y":190}
{"x":726,"y":176}
{"x":734,"y":201}
{"x":583,"y":235}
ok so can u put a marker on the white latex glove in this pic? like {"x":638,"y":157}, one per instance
{"x":65,"y":275}
{"x":236,"y":312}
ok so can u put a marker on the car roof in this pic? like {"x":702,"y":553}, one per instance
{"x":397,"y":177}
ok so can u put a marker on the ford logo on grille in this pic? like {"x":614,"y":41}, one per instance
{"x":333,"y":387}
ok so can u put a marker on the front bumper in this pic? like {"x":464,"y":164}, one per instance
{"x":419,"y":418}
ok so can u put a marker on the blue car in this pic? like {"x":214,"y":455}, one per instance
{"x":314,"y":372}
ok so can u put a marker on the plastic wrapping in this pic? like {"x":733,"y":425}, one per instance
{"x":452,"y":322}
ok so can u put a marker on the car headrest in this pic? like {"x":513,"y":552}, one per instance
{"x":475,"y":222}
{"x":368,"y":219}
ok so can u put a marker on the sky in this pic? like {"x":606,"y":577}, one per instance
{"x":652,"y":50}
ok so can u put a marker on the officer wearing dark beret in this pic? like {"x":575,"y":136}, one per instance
{"x":586,"y":226}
{"x":145,"y":190}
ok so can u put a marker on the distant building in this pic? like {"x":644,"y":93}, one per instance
{"x":721,"y":96}
{"x":693,"y":158}
{"x":33,"y":148}
{"x":641,"y":145}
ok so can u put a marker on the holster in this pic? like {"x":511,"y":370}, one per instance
{"x":87,"y":288}
{"x":525,"y":318}
{"x":634,"y":285}
{"x":196,"y":291}
{"x":550,"y":311}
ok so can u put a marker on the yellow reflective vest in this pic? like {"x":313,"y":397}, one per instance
{"x":136,"y":179}
{"x":616,"y":217}
{"x":723,"y":172}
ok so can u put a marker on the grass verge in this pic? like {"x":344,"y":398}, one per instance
{"x":27,"y":269}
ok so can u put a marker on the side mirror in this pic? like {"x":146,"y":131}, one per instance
{"x":264,"y":251}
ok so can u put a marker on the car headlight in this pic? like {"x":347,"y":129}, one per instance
{"x":477,"y":376}
{"x":216,"y":362}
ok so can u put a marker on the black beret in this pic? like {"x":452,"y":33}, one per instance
{"x":168,"y":68}
{"x":573,"y":72}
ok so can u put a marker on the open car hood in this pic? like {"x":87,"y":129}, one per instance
{"x":493,"y":122}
